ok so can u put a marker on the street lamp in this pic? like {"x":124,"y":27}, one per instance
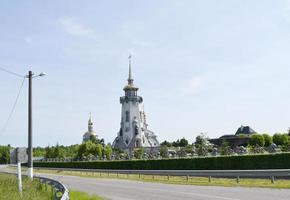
{"x":30,"y":149}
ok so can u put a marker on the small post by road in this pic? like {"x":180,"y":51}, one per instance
{"x":209,"y":179}
{"x":238,"y":179}
{"x":19,"y":178}
{"x":272,"y":179}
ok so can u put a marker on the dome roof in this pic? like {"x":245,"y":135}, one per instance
{"x":130,"y":87}
{"x":88,"y":134}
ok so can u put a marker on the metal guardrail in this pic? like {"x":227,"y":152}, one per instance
{"x":282,"y":173}
{"x":58,"y":186}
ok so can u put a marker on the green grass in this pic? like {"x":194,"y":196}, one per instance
{"x":76,"y":195}
{"x":227,"y":182}
{"x":32,"y":190}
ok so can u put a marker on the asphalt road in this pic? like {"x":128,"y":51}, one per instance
{"x":136,"y":190}
{"x":129,"y":190}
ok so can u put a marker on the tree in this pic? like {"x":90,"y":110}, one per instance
{"x":257,"y":140}
{"x":166,"y":143}
{"x":38,"y":152}
{"x":4,"y":154}
{"x":138,"y":153}
{"x":108,"y":152}
{"x":164,"y":151}
{"x":58,"y":152}
{"x":225,"y":148}
{"x":175,"y":143}
{"x":183,"y":142}
{"x":268,"y":140}
{"x":280,"y":139}
{"x":89,"y":148}
{"x":95,"y":140}
{"x":202,"y":144}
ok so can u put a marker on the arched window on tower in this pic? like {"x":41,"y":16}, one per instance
{"x":127,"y":116}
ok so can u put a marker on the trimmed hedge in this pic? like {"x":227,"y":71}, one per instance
{"x":269,"y":161}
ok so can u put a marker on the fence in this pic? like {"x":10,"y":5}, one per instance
{"x":271,"y":174}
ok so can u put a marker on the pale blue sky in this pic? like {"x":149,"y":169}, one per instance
{"x":202,"y":66}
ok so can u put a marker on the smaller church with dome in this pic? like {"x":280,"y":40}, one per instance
{"x":90,"y":133}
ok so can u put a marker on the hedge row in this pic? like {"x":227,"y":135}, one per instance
{"x":269,"y":161}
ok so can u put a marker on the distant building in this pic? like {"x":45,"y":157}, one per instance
{"x":90,"y":133}
{"x":245,"y":130}
{"x":134,"y":132}
{"x":241,"y":137}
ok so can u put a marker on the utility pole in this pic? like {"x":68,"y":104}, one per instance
{"x":30,"y":76}
{"x":30,"y":149}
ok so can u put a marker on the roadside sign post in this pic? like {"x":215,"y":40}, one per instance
{"x":19,"y":177}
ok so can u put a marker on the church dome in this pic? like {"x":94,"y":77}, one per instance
{"x":87,"y":135}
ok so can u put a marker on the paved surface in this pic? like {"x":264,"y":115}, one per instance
{"x":129,"y":190}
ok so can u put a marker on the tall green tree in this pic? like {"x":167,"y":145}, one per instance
{"x":108,"y":151}
{"x":4,"y":154}
{"x":164,"y":151}
{"x":166,"y":143}
{"x":138,"y":153}
{"x":268,"y":139}
{"x":280,"y":139}
{"x":89,"y":149}
{"x":202,"y":144}
{"x":225,"y":148}
{"x":183,"y":142}
{"x":257,"y":140}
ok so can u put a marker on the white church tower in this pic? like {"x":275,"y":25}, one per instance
{"x":134,"y":131}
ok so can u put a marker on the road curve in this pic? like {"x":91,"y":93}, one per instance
{"x":117,"y":189}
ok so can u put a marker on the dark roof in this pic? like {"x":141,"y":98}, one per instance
{"x":245,"y":130}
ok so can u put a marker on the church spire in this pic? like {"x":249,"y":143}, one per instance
{"x":90,"y":124}
{"x":130,"y":78}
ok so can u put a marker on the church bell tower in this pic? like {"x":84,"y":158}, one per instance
{"x":133,"y":131}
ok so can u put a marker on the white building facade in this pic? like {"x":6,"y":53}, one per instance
{"x":134,"y":132}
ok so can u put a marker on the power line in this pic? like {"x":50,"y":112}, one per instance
{"x":10,"y":72}
{"x":13,"y":107}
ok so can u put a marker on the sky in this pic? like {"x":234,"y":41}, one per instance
{"x":201,"y":66}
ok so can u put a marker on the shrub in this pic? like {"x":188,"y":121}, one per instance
{"x":264,"y":161}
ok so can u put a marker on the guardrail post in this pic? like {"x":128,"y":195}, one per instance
{"x":272,"y":179}
{"x":153,"y":177}
{"x":118,"y":174}
{"x":209,"y":179}
{"x":139,"y":176}
{"x":108,"y":174}
{"x":238,"y":179}
{"x":187,"y":177}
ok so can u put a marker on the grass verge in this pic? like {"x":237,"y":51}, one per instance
{"x":32,"y":190}
{"x":76,"y":195}
{"x":227,"y":182}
